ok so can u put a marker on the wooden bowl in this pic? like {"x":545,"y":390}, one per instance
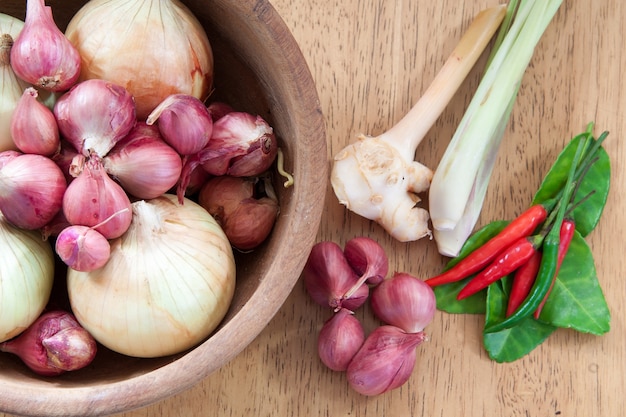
{"x":259,"y":68}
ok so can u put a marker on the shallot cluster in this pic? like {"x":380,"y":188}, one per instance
{"x":343,"y":280}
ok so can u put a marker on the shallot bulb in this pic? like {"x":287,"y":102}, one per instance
{"x":242,"y":145}
{"x":55,"y":343}
{"x":340,"y":339}
{"x":31,"y":190}
{"x":405,"y":302}
{"x":33,"y":126}
{"x":328,"y":277}
{"x":385,"y":361}
{"x":41,"y":54}
{"x":247,"y":218}
{"x":82,"y":248}
{"x":367,"y":258}
{"x":184,"y":123}
{"x":94,"y":115}
{"x":143,"y":163}
{"x":94,"y":197}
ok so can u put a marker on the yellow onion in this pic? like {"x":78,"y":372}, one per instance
{"x":26,"y":276}
{"x":153,"y":48}
{"x":167,"y":285}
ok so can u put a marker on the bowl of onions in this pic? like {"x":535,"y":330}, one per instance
{"x":163,"y":171}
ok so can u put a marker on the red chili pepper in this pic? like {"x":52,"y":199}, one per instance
{"x":522,"y":226}
{"x":505,"y":263}
{"x":568,"y":227}
{"x":523,"y":282}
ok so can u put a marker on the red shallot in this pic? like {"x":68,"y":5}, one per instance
{"x":385,"y":361}
{"x":33,"y":126}
{"x":31,"y":189}
{"x":94,"y":197}
{"x":367,"y":258}
{"x":55,"y":343}
{"x":94,"y":115}
{"x":184,"y":123}
{"x":340,"y":339}
{"x":82,"y":248}
{"x":328,"y":277}
{"x":246,"y":218}
{"x":143,"y":163}
{"x":405,"y":302}
{"x":41,"y":54}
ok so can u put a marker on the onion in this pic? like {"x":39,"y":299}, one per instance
{"x":167,"y":285}
{"x":26,"y":276}
{"x":154,"y":48}
{"x":11,"y":87}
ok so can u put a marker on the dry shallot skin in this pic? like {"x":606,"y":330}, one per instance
{"x":404,"y":301}
{"x":385,"y":361}
{"x":55,"y":343}
{"x":367,"y":258}
{"x":33,"y":126}
{"x":340,"y":339}
{"x":246,"y":220}
{"x":31,"y":189}
{"x":328,"y":277}
{"x":41,"y":54}
{"x":143,"y":163}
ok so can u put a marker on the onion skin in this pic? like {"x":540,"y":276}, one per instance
{"x":26,"y":277}
{"x":367,"y":258}
{"x":124,"y":41}
{"x":82,"y":248}
{"x":170,"y":279}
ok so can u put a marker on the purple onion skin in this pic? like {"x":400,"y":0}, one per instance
{"x":385,"y":361}
{"x":327,"y":277}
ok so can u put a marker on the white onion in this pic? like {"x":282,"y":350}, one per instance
{"x":26,"y":276}
{"x":167,"y":285}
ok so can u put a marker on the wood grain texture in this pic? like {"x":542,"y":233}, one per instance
{"x":371,"y":59}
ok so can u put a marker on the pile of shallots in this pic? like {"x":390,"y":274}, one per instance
{"x":343,"y":280}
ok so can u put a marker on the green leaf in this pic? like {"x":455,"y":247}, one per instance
{"x":510,"y":344}
{"x":446,"y":294}
{"x":597,"y":179}
{"x":576,"y":300}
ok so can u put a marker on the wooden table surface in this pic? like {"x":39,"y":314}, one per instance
{"x":371,"y":60}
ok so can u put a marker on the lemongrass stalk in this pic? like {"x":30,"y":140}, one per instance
{"x":378,"y":177}
{"x":460,"y":181}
